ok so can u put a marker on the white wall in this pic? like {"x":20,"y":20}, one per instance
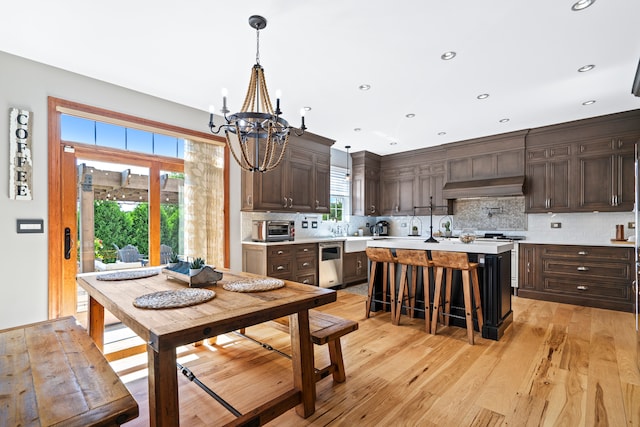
{"x":26,"y":84}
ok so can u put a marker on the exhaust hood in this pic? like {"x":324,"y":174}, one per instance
{"x":493,"y":187}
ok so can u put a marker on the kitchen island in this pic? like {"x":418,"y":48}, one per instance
{"x":494,"y":257}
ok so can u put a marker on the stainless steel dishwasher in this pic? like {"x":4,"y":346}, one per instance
{"x":330,"y":264}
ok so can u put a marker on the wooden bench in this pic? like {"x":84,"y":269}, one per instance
{"x":53,"y":374}
{"x":325,"y":329}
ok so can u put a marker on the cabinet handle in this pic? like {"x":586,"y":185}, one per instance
{"x":582,"y":288}
{"x":359,"y":264}
{"x":285,"y":202}
{"x":372,"y":209}
{"x":583,"y":268}
{"x":249,"y":200}
{"x":290,"y":202}
{"x":397,"y":208}
{"x":279,"y":267}
{"x":280,"y":252}
{"x":528,"y":267}
{"x":305,"y":281}
{"x":317,"y":204}
{"x":617,"y":200}
{"x":582,"y":252}
{"x":305,"y":264}
{"x":305,"y":250}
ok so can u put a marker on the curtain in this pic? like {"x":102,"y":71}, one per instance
{"x":204,"y":202}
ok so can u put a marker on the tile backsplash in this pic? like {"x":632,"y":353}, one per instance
{"x":491,"y":213}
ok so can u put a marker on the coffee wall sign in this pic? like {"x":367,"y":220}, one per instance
{"x":20,"y":155}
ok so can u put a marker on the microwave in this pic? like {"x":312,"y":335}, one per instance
{"x":272,"y":231}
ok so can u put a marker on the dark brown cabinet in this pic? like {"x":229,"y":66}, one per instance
{"x":365,"y":184}
{"x":547,"y":179}
{"x":297,"y":262}
{"x":430,"y":182}
{"x":397,"y":191}
{"x":583,"y":166}
{"x":595,"y":276}
{"x":354,"y":267}
{"x":605,"y":175}
{"x":299,"y":184}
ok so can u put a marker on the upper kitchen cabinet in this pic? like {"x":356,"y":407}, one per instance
{"x":606,"y":174}
{"x":365,"y":183}
{"x":430,"y":183}
{"x":547,"y":179}
{"x":583,"y":166}
{"x":397,"y":191}
{"x":299,"y":184}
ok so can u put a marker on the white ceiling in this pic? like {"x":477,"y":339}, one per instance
{"x":525,"y":55}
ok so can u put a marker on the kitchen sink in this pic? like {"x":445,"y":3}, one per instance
{"x":356,"y":244}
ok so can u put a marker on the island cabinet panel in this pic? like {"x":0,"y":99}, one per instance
{"x":365,"y":184}
{"x":583,"y":166}
{"x":595,"y":276}
{"x":354,"y":267}
{"x":296,"y":262}
{"x":299,"y":184}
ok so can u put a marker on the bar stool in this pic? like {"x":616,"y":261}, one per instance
{"x":456,"y":261}
{"x":413,"y":258}
{"x":385,"y":257}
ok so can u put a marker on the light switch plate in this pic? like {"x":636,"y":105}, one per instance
{"x":314,"y":224}
{"x":556,"y":225}
{"x":30,"y":226}
{"x":631,"y":225}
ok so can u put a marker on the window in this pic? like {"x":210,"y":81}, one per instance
{"x":340,"y":196}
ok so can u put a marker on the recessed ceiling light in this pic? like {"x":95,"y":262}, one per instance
{"x":586,"y":68}
{"x":483,"y":96}
{"x":393,"y":143}
{"x":582,"y":4}
{"x":503,"y":120}
{"x":589,"y":102}
{"x":442,"y":133}
{"x":448,"y":55}
{"x":410,"y":116}
{"x":364,"y":87}
{"x":357,"y":129}
{"x":307,"y":108}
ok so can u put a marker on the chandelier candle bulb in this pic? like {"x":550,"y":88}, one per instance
{"x":224,"y":100}
{"x":278,"y":96}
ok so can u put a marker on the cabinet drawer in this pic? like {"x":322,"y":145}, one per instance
{"x":306,"y":264}
{"x":283,"y":251}
{"x":280,"y":267}
{"x":306,"y":249}
{"x":590,"y":270}
{"x":307,"y":279}
{"x":600,"y":253}
{"x":579,"y":288}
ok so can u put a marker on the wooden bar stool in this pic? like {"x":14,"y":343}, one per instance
{"x":412,"y":258}
{"x":456,"y":261}
{"x":385,"y":257}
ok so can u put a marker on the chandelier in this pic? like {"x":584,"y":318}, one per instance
{"x":256,"y":135}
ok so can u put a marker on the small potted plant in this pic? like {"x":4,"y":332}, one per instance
{"x":414,"y":230}
{"x":196,"y":266}
{"x":447,"y":228}
{"x":173,"y":261}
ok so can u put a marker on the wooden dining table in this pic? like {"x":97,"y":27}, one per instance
{"x":165,"y":329}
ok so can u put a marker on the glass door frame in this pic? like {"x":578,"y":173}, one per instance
{"x":62,"y":196}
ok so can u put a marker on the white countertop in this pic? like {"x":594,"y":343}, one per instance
{"x":449,"y":245}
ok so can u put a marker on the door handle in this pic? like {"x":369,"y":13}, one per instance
{"x":67,"y":243}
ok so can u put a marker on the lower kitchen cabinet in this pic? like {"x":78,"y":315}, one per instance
{"x":354,"y":267}
{"x":595,"y":276}
{"x":296,"y":262}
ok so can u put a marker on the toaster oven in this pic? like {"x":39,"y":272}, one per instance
{"x":272,"y":231}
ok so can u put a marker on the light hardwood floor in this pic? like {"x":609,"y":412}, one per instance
{"x":557,"y":364}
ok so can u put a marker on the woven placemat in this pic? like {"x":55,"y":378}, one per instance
{"x":174,"y":299}
{"x":128,"y":275}
{"x":253,"y":285}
